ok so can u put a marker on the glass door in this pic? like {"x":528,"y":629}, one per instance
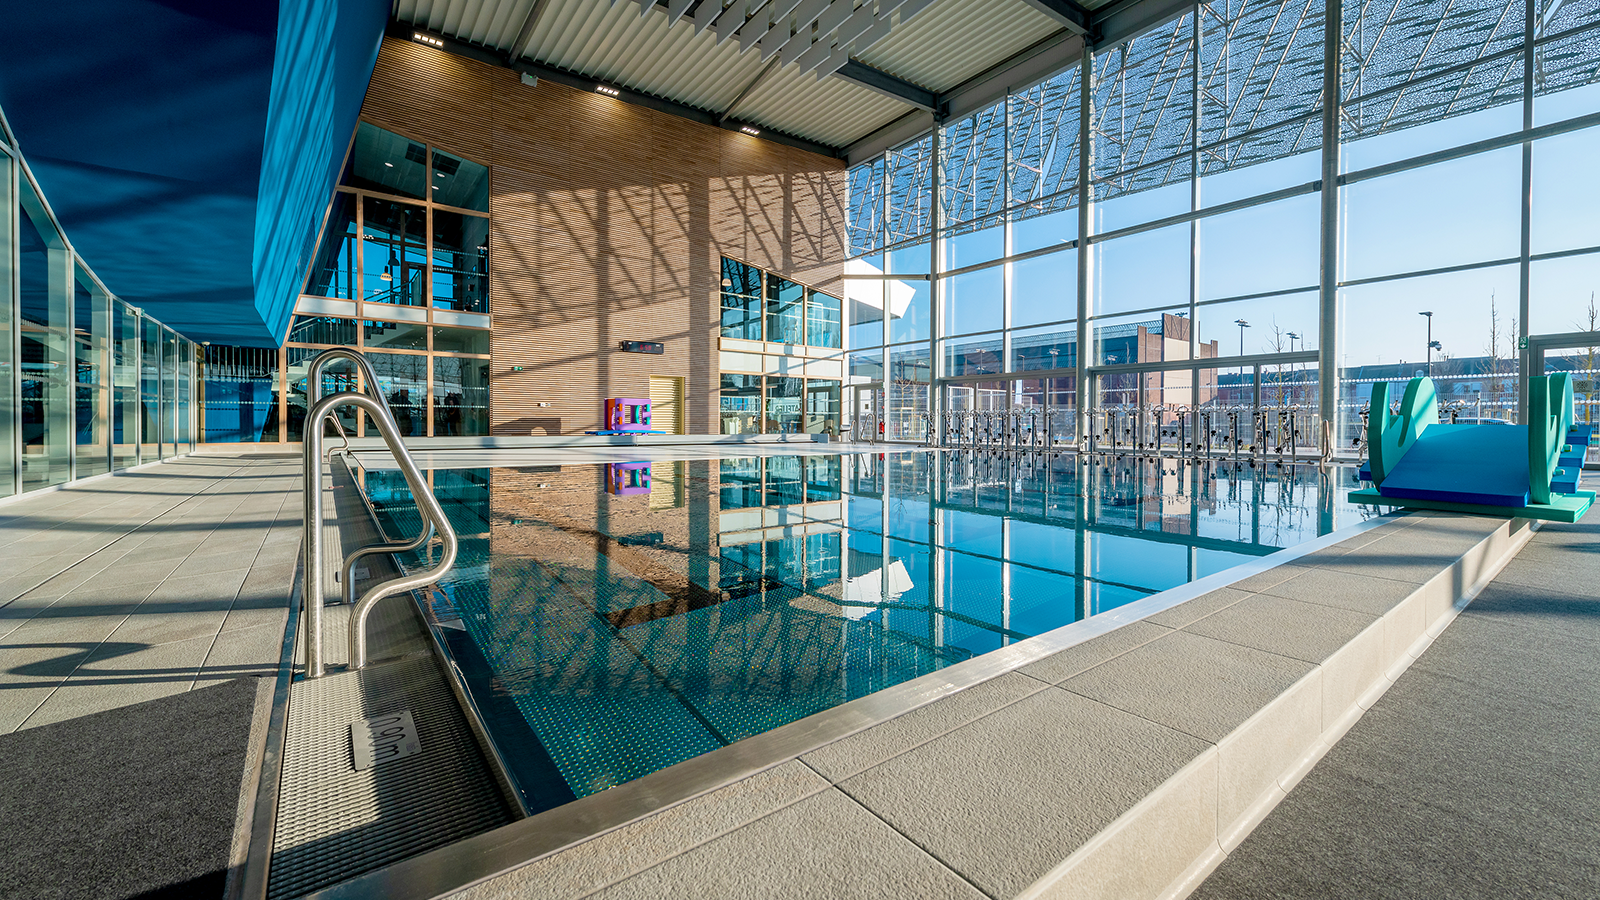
{"x":1578,"y":355}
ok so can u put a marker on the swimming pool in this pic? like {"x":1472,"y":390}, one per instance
{"x":610,"y":620}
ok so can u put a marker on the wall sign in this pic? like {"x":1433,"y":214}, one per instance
{"x":642,"y":347}
{"x":384,"y":738}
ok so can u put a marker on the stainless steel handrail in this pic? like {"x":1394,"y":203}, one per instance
{"x":433,"y":518}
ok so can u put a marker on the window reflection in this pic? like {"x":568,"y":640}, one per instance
{"x":394,"y":259}
{"x":460,"y":262}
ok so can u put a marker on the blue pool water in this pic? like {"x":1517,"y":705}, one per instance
{"x":614,"y":620}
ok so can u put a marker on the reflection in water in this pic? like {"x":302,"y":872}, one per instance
{"x":609,"y":633}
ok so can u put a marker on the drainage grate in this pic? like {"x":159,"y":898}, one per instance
{"x":335,"y":822}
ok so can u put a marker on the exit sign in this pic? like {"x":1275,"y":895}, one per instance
{"x":642,"y":347}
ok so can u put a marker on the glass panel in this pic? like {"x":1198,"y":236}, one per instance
{"x":1050,"y":347}
{"x":185,"y":406}
{"x":1262,"y":248}
{"x":1125,"y":202}
{"x":1260,"y":63}
{"x":909,"y":211}
{"x":741,"y":300}
{"x":125,"y":387}
{"x":974,"y":301}
{"x":91,"y":327}
{"x":973,"y":243}
{"x":403,"y":379}
{"x":169,"y":399}
{"x":1044,"y":289}
{"x":241,"y":394}
{"x":384,"y":161}
{"x":1144,"y":270}
{"x":1474,"y":321}
{"x":783,"y":405}
{"x":823,"y":313}
{"x":1561,"y":294}
{"x":907,"y":410}
{"x":785,"y":322}
{"x":866,"y":309}
{"x":460,"y":396}
{"x":394,"y":259}
{"x":149,"y":390}
{"x":10,"y":417}
{"x":1044,"y":139}
{"x":1045,"y":223}
{"x":1566,"y":191}
{"x":866,"y":207}
{"x":741,"y":404}
{"x":460,"y":182}
{"x":394,"y":335}
{"x":460,"y":340}
{"x":460,"y":261}
{"x":909,"y":310}
{"x":1424,"y":219}
{"x":1281,"y":324}
{"x":1272,"y":160}
{"x":976,"y":355}
{"x":46,"y":333}
{"x":822,"y":408}
{"x":1144,"y":121}
{"x":972,"y":158}
{"x":333,"y":272}
{"x":338,"y":376}
{"x":323,"y":330}
{"x":1141,"y":337}
{"x":1567,"y":81}
{"x":867,"y":365}
{"x":1063,"y":394}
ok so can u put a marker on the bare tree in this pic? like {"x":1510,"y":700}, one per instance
{"x":1493,"y":383}
{"x":1586,"y":383}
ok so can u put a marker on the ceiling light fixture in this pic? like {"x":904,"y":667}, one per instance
{"x":750,"y":131}
{"x":390,"y":165}
{"x":421,"y":38}
{"x":607,"y":90}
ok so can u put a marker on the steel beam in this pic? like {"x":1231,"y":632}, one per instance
{"x":860,"y":73}
{"x":1074,"y":17}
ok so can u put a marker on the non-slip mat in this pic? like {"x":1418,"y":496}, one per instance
{"x":131,"y":802}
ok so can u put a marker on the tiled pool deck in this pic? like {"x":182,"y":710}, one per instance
{"x":1129,"y":764}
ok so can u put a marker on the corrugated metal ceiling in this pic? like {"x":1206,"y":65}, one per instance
{"x":944,"y":45}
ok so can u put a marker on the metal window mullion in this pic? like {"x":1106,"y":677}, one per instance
{"x":1087,"y":401}
{"x":1328,"y":339}
{"x":14,"y":252}
{"x":935,"y":313}
{"x":1194,"y":206}
{"x":1525,"y":356}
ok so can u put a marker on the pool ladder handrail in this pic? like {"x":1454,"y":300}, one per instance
{"x":434,"y":520}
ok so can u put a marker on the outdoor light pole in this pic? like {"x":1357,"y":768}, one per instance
{"x":1242,"y":326}
{"x":1429,"y":314}
{"x":1292,"y":338}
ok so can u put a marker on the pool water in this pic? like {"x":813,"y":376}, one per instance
{"x":612,"y":620}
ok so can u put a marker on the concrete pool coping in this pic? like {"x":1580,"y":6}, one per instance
{"x":1237,"y":704}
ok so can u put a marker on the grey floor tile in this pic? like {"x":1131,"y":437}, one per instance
{"x":611,"y":857}
{"x":1003,"y":799}
{"x":824,"y":847}
{"x":115,"y":676}
{"x":1198,"y":608}
{"x":1273,"y":576}
{"x":1305,"y":631}
{"x":1361,"y":593}
{"x":243,"y":652}
{"x":862,"y":750}
{"x":1058,"y":667}
{"x":1198,"y":685}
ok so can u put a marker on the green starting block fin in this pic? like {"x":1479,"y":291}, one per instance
{"x":1561,"y":508}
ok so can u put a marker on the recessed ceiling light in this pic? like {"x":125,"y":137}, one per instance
{"x":750,"y":131}
{"x":425,"y":39}
{"x":390,"y":165}
{"x":608,"y":91}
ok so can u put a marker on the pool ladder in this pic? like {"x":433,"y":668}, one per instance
{"x":370,"y":400}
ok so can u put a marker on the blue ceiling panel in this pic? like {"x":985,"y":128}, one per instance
{"x":189,"y":147}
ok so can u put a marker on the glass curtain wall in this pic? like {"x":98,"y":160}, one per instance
{"x":761,"y":306}
{"x":1186,"y":196}
{"x":74,"y":402}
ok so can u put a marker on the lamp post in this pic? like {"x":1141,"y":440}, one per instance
{"x":1242,"y":326}
{"x":1431,"y":342}
{"x":1292,"y":338}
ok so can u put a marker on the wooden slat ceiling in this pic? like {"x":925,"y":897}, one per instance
{"x":640,"y":45}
